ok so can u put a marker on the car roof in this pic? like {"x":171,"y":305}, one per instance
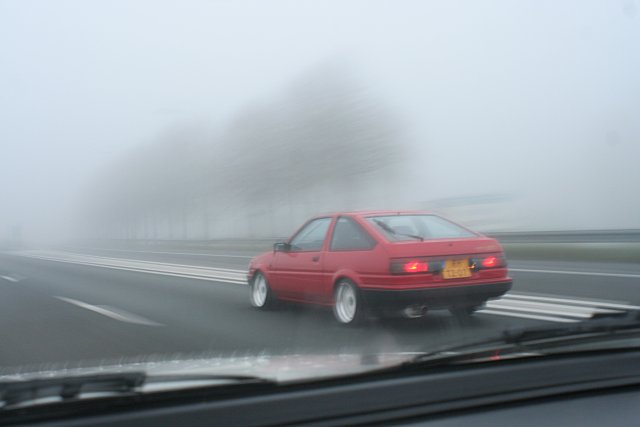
{"x":365,"y":213}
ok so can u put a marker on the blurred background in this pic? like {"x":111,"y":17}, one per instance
{"x":197,"y":120}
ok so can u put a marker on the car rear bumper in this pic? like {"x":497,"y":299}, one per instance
{"x":436,"y":297}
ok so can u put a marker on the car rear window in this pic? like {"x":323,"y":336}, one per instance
{"x":399,"y":228}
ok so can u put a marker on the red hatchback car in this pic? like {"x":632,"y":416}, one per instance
{"x":381,"y":261}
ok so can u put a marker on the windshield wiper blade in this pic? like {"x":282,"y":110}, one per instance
{"x":387,"y":228}
{"x":22,"y":392}
{"x":531,"y":339}
{"x":60,"y":389}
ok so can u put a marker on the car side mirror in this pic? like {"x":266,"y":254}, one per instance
{"x":281,"y":247}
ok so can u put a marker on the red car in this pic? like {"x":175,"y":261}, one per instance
{"x":381,"y":261}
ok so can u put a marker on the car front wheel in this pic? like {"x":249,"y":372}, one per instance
{"x":347,"y":305}
{"x":261,"y":295}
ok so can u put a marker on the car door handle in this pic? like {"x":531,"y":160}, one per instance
{"x":315,"y":259}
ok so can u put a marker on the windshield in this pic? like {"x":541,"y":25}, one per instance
{"x":300,"y":189}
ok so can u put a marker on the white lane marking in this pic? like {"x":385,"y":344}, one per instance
{"x":136,"y":261}
{"x":568,"y":309}
{"x":139,"y":270}
{"x":10,"y":279}
{"x":541,"y":310}
{"x":577,"y":273}
{"x":576,"y":301}
{"x":528,"y":316}
{"x":173,"y":253}
{"x":111,"y":312}
{"x":563,"y":310}
{"x":176,"y":270}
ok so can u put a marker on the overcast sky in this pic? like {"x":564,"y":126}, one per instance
{"x":536,"y":99}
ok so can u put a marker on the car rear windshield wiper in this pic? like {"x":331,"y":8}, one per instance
{"x":21,"y":393}
{"x":387,"y":228}
{"x":533,"y":340}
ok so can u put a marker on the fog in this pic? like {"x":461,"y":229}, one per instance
{"x":205,"y":119}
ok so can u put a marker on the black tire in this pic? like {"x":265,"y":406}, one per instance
{"x":348,"y":306}
{"x":260,"y":295}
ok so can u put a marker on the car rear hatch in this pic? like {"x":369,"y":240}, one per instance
{"x":445,"y":247}
{"x":449,"y":261}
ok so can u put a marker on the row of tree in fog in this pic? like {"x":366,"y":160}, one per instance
{"x":325,"y":144}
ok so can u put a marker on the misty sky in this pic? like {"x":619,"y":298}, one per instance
{"x":539,"y":100}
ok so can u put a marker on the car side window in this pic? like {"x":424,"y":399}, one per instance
{"x":348,"y":235}
{"x":312,"y":236}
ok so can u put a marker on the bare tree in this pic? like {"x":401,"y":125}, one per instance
{"x":325,"y":144}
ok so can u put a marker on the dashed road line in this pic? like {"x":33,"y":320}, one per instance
{"x":111,"y":312}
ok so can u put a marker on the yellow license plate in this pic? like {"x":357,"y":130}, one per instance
{"x":456,"y":269}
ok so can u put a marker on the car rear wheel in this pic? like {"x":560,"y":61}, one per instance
{"x":347,"y":306}
{"x":261,"y":295}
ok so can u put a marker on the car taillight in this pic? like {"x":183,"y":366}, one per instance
{"x":416,"y":267}
{"x":492,"y":261}
{"x":409,"y":266}
{"x":489,"y":262}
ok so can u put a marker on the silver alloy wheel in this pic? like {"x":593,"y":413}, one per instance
{"x":259,"y":291}
{"x":346,"y":303}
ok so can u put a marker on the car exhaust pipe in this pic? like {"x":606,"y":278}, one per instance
{"x":415,"y":311}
